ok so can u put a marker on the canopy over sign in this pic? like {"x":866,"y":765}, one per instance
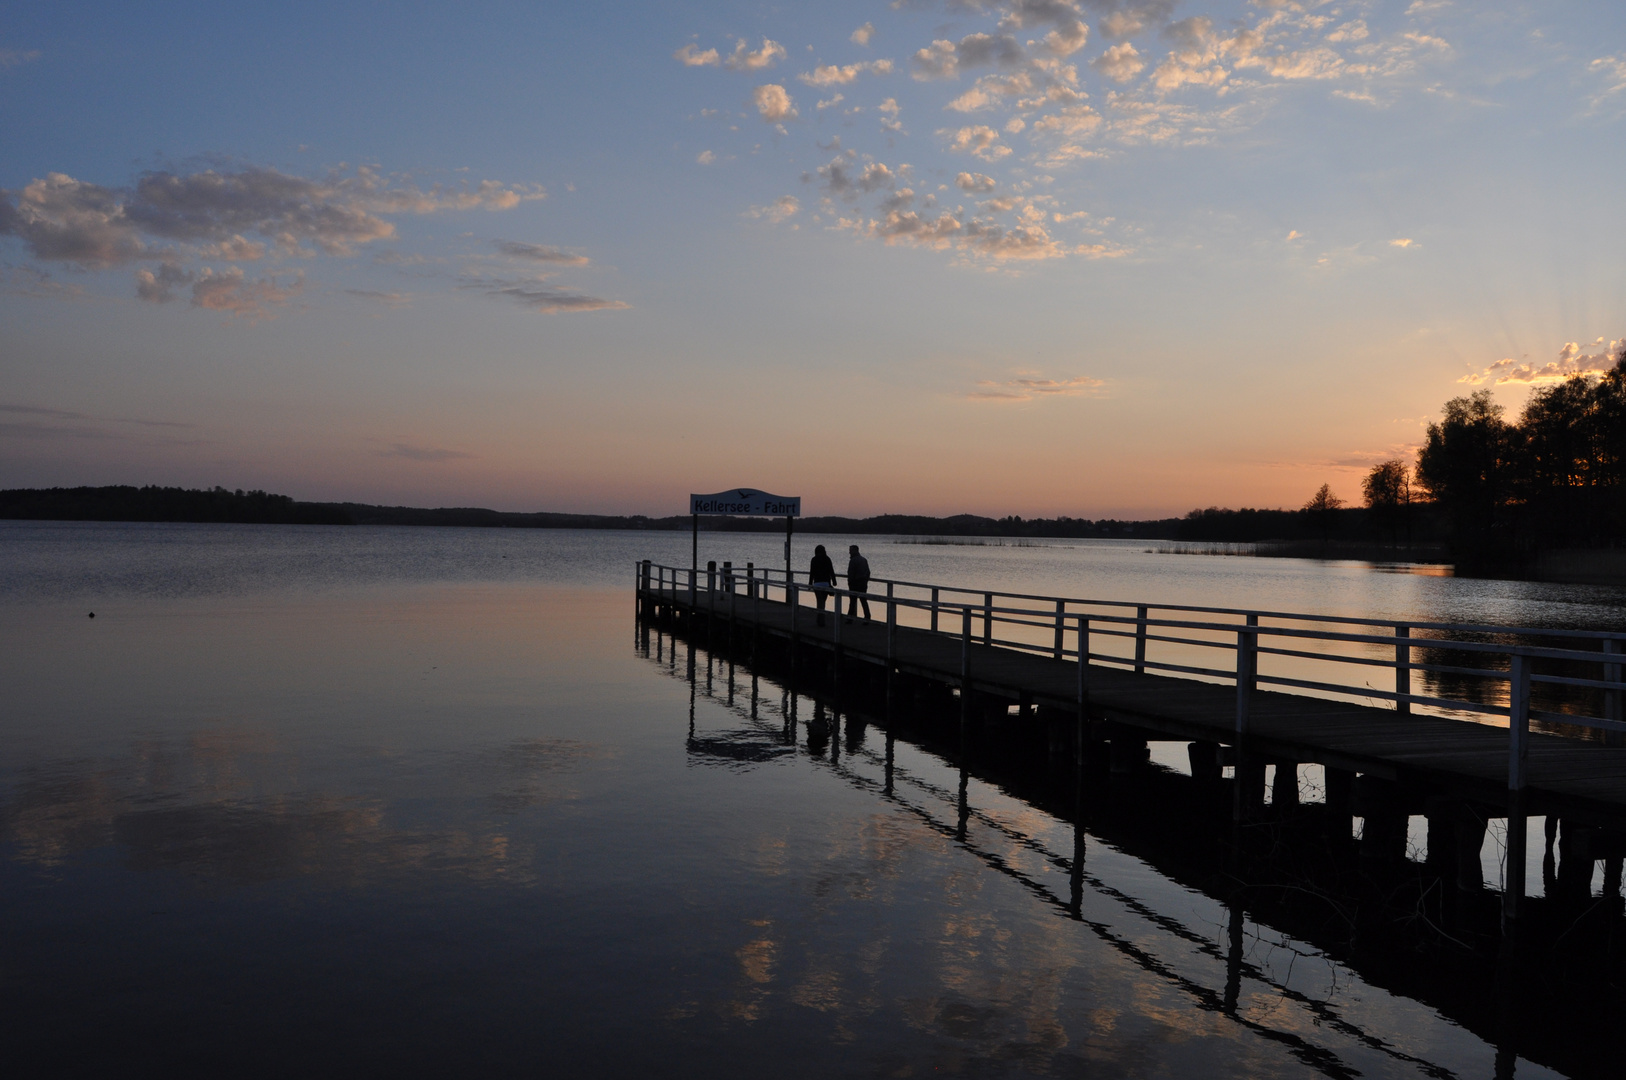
{"x":746,"y":501}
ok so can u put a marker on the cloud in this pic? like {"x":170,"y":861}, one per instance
{"x":1029,"y":389}
{"x":844,"y":180}
{"x":1572,"y":360}
{"x":830,"y":75}
{"x":979,"y":139}
{"x":1611,"y":73}
{"x":423,"y":453}
{"x":1402,"y":242}
{"x":1127,"y":19}
{"x":60,"y":219}
{"x":862,"y":35}
{"x":1121,"y":63}
{"x":944,"y":59}
{"x":542,"y":253}
{"x":705,"y":157}
{"x":742,"y":59}
{"x":392,"y":300}
{"x":975,"y":183}
{"x":10,"y":58}
{"x":158,"y":286}
{"x":691,"y":56}
{"x":538,"y":295}
{"x":232,"y":292}
{"x":773,"y":103}
{"x":779,"y":211}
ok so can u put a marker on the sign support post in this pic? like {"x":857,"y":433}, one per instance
{"x":744,"y":502}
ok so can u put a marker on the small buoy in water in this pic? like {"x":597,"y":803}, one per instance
{"x":92,"y":614}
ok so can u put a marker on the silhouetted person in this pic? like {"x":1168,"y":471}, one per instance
{"x":857,"y":581}
{"x":822,"y":576}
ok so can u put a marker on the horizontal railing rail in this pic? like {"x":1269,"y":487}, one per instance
{"x":1186,"y":640}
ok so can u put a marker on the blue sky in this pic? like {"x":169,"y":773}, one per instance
{"x":1116,"y":258}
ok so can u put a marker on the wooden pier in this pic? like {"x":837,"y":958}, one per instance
{"x":1019,"y":655}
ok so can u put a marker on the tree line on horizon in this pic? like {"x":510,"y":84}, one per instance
{"x":1495,"y":491}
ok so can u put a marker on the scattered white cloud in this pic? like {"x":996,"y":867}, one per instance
{"x":692,"y":56}
{"x":1294,"y":234}
{"x":239,"y":296}
{"x":10,"y":58}
{"x":1402,"y":242}
{"x":974,"y":183}
{"x":1572,"y":360}
{"x":979,"y":139}
{"x":1121,"y":63}
{"x":743,"y":59}
{"x":829,"y":75}
{"x":1610,"y":73}
{"x":777,"y":212}
{"x":863,"y":34}
{"x":542,"y":253}
{"x":773,"y":103}
{"x":705,"y":157}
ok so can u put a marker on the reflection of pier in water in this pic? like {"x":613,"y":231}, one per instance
{"x":1274,"y":872}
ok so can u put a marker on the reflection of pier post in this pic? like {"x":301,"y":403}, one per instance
{"x":1233,"y":960}
{"x":965,"y":808}
{"x":889,"y":742}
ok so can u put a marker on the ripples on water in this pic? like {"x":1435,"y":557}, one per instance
{"x":412,"y":801}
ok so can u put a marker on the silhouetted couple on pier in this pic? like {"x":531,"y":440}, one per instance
{"x":822,"y":575}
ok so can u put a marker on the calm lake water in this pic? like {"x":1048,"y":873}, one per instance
{"x":350,"y":801}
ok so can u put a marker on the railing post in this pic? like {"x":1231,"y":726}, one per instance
{"x":1402,"y":669}
{"x":1247,"y":642}
{"x":1061,"y":617}
{"x":987,"y":618}
{"x":1253,"y":654}
{"x":965,"y":667}
{"x":835,"y":636}
{"x":891,"y":628}
{"x":1518,"y":722}
{"x":1140,"y":640}
{"x":934,"y":609}
{"x":1083,"y":688}
{"x":1614,"y":707}
{"x":751,"y":580}
{"x":692,"y":580}
{"x":793,"y":600}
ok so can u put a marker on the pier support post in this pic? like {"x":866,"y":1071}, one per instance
{"x":1061,"y":617}
{"x":1204,"y":759}
{"x":934,"y":609}
{"x":987,"y":618}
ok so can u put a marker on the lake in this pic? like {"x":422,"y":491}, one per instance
{"x":341,"y":801}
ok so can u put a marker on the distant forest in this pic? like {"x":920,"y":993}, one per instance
{"x":1490,"y":493}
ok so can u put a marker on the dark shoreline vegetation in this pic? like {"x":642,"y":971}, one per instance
{"x":1543,"y":496}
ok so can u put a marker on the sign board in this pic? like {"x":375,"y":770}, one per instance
{"x":746,"y":501}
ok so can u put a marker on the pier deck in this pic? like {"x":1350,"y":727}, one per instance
{"x":1383,"y":742}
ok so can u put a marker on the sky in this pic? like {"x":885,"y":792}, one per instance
{"x":1100,"y":258}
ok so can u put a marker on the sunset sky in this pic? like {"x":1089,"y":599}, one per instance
{"x":1098,"y":258}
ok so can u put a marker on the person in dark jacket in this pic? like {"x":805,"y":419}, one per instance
{"x":857,"y":581}
{"x":822,"y":575}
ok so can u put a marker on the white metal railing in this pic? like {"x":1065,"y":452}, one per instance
{"x":1316,"y":655}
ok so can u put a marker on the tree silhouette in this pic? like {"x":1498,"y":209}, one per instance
{"x":1387,"y":490}
{"x":1322,"y":508}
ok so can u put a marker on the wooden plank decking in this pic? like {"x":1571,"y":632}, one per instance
{"x":1371,"y":740}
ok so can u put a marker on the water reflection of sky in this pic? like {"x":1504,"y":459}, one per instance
{"x":458,"y":824}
